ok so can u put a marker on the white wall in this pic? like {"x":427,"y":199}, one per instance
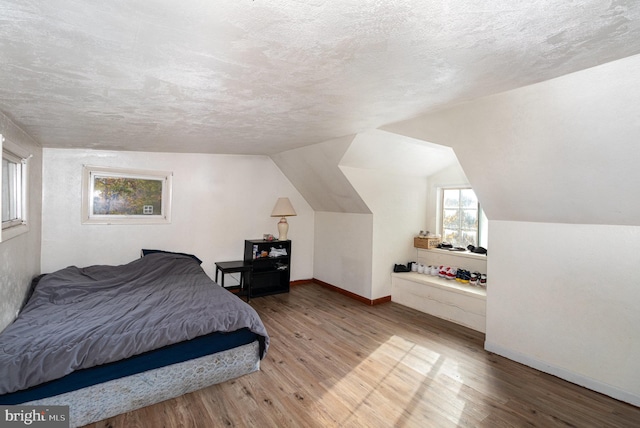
{"x":343,"y":251}
{"x":563,"y":153}
{"x":399,"y":204}
{"x":20,"y":256}
{"x":218,"y":202}
{"x":564,"y":299}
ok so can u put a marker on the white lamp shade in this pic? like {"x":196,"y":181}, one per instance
{"x":283,"y":208}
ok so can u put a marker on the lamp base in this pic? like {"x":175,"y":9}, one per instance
{"x":283,"y":228}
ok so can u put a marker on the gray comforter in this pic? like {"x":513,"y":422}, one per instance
{"x":82,"y":317}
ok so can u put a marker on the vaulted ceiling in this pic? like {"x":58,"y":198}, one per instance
{"x":262,"y":77}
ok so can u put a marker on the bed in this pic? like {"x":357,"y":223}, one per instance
{"x":108,"y":339}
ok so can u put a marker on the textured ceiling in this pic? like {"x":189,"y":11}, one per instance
{"x":266,"y":76}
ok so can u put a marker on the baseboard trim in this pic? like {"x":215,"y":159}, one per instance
{"x":352,"y":295}
{"x":567,"y":375}
{"x":300,"y":282}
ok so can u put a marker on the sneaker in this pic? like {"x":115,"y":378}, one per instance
{"x":451,"y":273}
{"x":465,"y":277}
{"x":442,"y":273}
{"x":483,"y":280}
{"x":435,"y":270}
{"x":473,"y":278}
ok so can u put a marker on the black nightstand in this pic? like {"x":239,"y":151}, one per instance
{"x":270,"y":271}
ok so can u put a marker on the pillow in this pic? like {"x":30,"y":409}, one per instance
{"x":32,"y":287}
{"x":147,"y":252}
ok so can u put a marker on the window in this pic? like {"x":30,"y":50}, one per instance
{"x":14,"y":189}
{"x":462,"y":218}
{"x":126,"y":196}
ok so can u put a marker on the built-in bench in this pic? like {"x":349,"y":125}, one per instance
{"x":463,"y":304}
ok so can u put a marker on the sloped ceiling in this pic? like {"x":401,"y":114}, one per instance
{"x":397,"y":154}
{"x":262,"y":77}
{"x":561,"y":151}
{"x":315,"y":172}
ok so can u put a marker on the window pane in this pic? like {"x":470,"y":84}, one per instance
{"x":5,"y":190}
{"x":451,"y":235}
{"x":468,"y":199}
{"x":468,"y":238}
{"x":10,"y":190}
{"x":460,"y":217}
{"x":450,"y":219}
{"x":451,"y":198}
{"x":126,"y":196}
{"x":469,"y":219}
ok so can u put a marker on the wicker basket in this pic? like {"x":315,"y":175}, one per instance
{"x":426,"y":243}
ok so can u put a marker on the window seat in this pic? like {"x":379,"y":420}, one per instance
{"x":448,"y":299}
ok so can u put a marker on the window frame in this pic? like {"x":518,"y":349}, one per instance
{"x":481,"y":226}
{"x":19,"y":156}
{"x":89,"y":217}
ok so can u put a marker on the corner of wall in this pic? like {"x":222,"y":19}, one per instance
{"x":21,"y":255}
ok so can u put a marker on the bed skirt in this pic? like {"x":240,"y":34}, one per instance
{"x":102,"y":401}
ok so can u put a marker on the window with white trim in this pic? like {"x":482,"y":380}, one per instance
{"x":462,"y":220}
{"x":13,"y":180}
{"x":125,"y":196}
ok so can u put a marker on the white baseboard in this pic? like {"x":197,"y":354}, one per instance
{"x":572,"y":377}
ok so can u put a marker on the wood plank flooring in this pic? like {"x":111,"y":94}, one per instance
{"x":335,"y":362}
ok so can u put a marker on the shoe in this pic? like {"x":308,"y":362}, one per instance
{"x":435,"y":270}
{"x":451,"y":273}
{"x":461,"y":275}
{"x":401,"y":268}
{"x":473,"y":279}
{"x":442,"y":273}
{"x":483,"y":280}
{"x":477,"y":250}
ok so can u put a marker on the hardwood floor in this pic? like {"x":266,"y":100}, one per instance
{"x":335,"y":362}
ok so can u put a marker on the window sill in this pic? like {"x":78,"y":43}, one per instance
{"x":12,"y":232}
{"x":466,"y":254}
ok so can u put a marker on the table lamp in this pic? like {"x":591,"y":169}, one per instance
{"x":283,"y":209}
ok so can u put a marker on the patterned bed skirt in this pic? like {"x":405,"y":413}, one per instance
{"x":117,"y":396}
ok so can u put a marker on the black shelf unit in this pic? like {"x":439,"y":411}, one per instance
{"x":268,"y":275}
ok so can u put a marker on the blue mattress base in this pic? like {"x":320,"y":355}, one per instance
{"x":176,"y":353}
